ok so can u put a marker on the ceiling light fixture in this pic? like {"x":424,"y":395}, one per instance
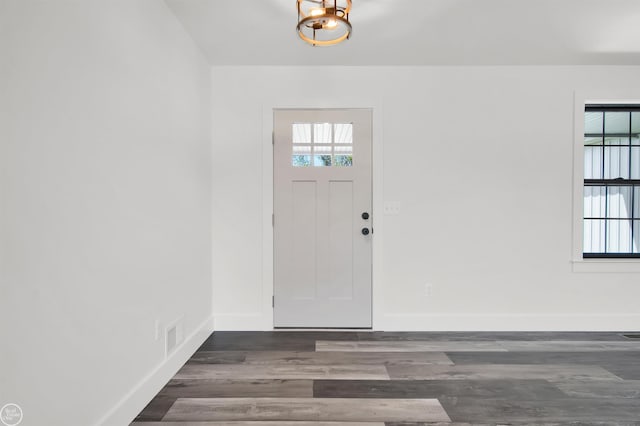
{"x":324,"y":22}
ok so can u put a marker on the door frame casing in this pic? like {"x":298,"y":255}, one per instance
{"x":265,"y":320}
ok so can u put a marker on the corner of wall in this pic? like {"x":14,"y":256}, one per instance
{"x":137,"y":398}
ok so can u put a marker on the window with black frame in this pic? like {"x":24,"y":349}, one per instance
{"x":611,"y":181}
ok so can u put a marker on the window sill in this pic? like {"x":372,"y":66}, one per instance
{"x":611,"y":265}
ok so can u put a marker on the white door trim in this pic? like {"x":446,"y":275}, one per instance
{"x":264,"y":319}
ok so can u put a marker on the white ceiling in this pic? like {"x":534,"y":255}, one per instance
{"x":422,"y":32}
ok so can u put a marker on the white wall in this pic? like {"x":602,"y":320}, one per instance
{"x":480,"y":160}
{"x":105,"y":189}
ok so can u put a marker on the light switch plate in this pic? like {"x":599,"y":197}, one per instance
{"x":392,"y":208}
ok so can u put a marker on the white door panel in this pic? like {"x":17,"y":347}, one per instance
{"x":322,"y":185}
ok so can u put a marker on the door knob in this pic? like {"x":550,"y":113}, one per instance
{"x":365,"y":231}
{"x":365,"y":215}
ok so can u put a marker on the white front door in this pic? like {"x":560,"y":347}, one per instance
{"x":322,"y":218}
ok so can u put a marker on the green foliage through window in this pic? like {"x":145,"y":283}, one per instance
{"x":301,"y":160}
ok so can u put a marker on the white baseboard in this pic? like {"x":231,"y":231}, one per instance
{"x":459,"y":322}
{"x":509,"y":322}
{"x":135,"y":400}
{"x":243,"y":322}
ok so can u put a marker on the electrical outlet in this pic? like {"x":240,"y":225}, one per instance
{"x":428,"y":289}
{"x":157,"y":326}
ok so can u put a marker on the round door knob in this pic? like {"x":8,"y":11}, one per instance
{"x":365,"y":231}
{"x":365,"y":215}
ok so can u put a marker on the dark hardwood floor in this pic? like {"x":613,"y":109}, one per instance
{"x":403,"y":379}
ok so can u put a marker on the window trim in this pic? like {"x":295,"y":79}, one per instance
{"x":612,"y":98}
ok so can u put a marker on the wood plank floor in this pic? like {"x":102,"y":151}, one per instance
{"x":297,"y":378}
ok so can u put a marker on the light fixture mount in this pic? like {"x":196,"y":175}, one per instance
{"x":324,"y":22}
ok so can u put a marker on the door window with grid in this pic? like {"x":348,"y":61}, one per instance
{"x":322,"y":144}
{"x":611,"y":181}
